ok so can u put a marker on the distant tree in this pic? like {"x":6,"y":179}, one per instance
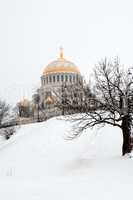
{"x":114,"y":102}
{"x":7,"y":120}
{"x":23,"y":109}
{"x":8,"y":132}
{"x":74,"y":98}
{"x":4,"y":111}
{"x":36,"y":100}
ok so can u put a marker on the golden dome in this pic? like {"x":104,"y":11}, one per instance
{"x":61,"y":65}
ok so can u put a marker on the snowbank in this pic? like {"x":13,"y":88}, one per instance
{"x":38,"y":163}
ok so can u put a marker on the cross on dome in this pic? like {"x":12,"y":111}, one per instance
{"x":61,"y":53}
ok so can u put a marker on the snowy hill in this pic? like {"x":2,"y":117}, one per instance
{"x":38,"y":163}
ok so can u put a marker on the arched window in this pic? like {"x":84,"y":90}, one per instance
{"x":47,"y":79}
{"x":54,"y":79}
{"x":66,"y":78}
{"x":44,"y":81}
{"x":62,"y":78}
{"x":58,"y":78}
{"x":80,"y":80}
{"x":77,"y":78}
{"x":50,"y":79}
{"x":70,"y":78}
{"x":74,"y":79}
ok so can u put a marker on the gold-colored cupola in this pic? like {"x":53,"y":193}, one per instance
{"x":61,"y":65}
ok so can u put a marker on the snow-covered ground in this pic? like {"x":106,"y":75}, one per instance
{"x":39,"y":164}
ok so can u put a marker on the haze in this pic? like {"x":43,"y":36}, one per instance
{"x":31,"y":32}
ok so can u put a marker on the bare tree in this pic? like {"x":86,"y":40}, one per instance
{"x":23,"y":110}
{"x":7,"y":120}
{"x":36,"y":100}
{"x":7,"y":132}
{"x":70,"y":99}
{"x":114,"y":102}
{"x":75,"y":98}
{"x":4,"y":111}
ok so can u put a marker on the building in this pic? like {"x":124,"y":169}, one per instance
{"x":55,"y":75}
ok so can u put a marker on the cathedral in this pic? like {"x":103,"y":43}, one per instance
{"x":55,"y":75}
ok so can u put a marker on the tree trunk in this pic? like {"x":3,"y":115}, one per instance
{"x":127,"y":135}
{"x":38,"y":117}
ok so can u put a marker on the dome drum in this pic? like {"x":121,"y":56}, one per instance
{"x":58,"y":78}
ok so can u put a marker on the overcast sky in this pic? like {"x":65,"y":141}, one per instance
{"x":31,"y":31}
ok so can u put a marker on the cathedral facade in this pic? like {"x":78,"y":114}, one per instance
{"x":55,"y":75}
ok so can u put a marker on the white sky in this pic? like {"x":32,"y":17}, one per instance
{"x":31,"y":31}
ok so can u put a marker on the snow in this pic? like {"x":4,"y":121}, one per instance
{"x":38,"y":163}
